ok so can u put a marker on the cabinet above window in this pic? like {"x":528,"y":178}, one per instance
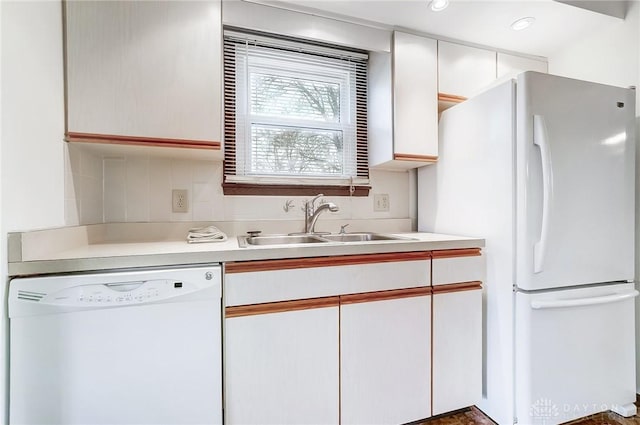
{"x":464,"y":71}
{"x":144,"y":73}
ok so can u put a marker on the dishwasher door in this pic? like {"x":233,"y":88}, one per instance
{"x":139,"y":347}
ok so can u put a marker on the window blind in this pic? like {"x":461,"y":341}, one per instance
{"x":294,"y":112}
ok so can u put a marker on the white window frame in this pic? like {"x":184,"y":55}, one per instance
{"x":245,"y":119}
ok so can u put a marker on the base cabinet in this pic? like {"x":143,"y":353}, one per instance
{"x":385,"y":348}
{"x":457,"y":350}
{"x":282,"y":368}
{"x":362,"y":339}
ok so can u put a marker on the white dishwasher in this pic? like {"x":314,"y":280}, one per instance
{"x":134,"y":347}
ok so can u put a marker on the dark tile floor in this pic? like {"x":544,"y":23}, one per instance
{"x":474,"y":416}
{"x":470,"y":416}
{"x":607,"y":418}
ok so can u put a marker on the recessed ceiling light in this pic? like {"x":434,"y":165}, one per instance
{"x":438,"y":5}
{"x":522,"y":23}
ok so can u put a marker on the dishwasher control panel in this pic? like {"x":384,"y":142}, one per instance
{"x":121,"y":293}
{"x":125,"y":293}
{"x":81,"y":292}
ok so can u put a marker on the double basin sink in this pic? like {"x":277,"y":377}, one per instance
{"x":265,"y":240}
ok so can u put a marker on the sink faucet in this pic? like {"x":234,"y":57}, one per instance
{"x":311,"y":213}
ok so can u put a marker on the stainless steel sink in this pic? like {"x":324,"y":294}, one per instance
{"x":360,"y":237}
{"x":244,"y":241}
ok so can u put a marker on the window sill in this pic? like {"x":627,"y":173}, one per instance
{"x":291,"y":190}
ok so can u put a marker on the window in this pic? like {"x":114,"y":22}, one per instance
{"x":295,"y":117}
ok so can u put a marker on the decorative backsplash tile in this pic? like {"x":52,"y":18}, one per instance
{"x":84,"y":196}
{"x":159,"y":190}
{"x":137,"y":185}
{"x":115,"y":200}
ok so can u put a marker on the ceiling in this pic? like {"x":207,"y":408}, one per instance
{"x":474,"y":21}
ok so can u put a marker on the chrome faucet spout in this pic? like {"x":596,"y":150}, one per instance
{"x":315,"y":198}
{"x":309,"y":208}
{"x":321,"y":208}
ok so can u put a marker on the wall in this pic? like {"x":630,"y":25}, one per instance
{"x":608,"y":56}
{"x":138,"y":189}
{"x":611,"y":56}
{"x":32,"y":117}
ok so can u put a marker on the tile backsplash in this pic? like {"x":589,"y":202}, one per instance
{"x":83,"y":187}
{"x":105,"y":189}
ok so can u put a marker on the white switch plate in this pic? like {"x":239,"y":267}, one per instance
{"x":381,"y":202}
{"x":180,"y":200}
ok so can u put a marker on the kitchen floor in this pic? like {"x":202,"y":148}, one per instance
{"x":474,"y":416}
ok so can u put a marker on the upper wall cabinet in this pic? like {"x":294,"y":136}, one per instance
{"x":144,"y":72}
{"x":510,"y":65}
{"x":464,"y":70}
{"x":403,"y":106}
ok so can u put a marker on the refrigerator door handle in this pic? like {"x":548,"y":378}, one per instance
{"x":578,"y":302}
{"x":540,"y":139}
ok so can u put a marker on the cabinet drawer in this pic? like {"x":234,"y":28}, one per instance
{"x":456,"y":266}
{"x":280,"y":280}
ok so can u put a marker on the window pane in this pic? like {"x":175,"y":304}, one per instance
{"x":290,"y":150}
{"x":278,"y":95}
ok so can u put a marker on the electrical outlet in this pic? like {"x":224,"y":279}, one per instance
{"x":180,"y":200}
{"x":381,"y":202}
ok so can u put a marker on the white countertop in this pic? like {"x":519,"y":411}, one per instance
{"x":90,"y":256}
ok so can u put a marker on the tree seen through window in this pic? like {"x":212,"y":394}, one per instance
{"x":289,"y":132}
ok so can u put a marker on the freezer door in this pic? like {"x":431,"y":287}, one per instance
{"x":574,"y":182}
{"x":574,"y":353}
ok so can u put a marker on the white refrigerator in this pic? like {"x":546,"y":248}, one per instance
{"x":543,"y":168}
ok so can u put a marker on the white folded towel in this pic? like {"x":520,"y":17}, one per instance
{"x":206,"y":234}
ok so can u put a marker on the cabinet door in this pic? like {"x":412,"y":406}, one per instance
{"x":463,"y":70}
{"x":385,"y":350}
{"x":148,"y":69}
{"x":282,"y":368}
{"x":457,"y":350}
{"x":415,"y":96}
{"x":509,"y":65}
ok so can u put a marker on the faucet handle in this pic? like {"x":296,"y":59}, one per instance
{"x":315,"y":198}
{"x":309,"y":205}
{"x":344,"y":226}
